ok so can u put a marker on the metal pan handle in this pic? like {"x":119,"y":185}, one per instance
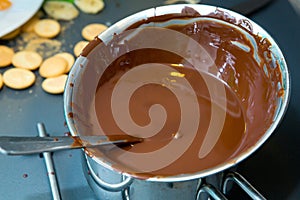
{"x":116,"y":187}
{"x":243,"y":183}
{"x":229,"y":177}
{"x":211,"y":191}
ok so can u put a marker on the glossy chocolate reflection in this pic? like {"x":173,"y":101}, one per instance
{"x":242,"y":65}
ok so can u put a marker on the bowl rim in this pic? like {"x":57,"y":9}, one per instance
{"x":173,"y":9}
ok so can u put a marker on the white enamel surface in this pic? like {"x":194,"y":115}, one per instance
{"x":18,"y":14}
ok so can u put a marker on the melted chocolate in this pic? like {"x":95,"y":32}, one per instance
{"x":250,"y":92}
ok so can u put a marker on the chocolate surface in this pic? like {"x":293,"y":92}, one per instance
{"x":242,"y":65}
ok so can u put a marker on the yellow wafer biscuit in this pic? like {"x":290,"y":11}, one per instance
{"x":11,"y":35}
{"x":90,"y":6}
{"x":79,"y":47}
{"x":60,"y":10}
{"x":27,"y":59}
{"x":69,"y":58}
{"x":28,"y":27}
{"x":6,"y":55}
{"x":55,"y":85}
{"x":53,"y":66}
{"x":89,"y":32}
{"x":18,"y":78}
{"x":47,"y":28}
{"x":1,"y":81}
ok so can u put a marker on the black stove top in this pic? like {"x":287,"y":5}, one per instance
{"x":273,"y":169}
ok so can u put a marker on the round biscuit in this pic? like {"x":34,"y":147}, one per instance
{"x":90,"y":6}
{"x":11,"y":35}
{"x":69,"y":58}
{"x":1,"y":81}
{"x":6,"y":55}
{"x":28,"y":27}
{"x":60,"y":10}
{"x":55,"y":85}
{"x":53,"y":66}
{"x":18,"y":78}
{"x":79,"y":46}
{"x":47,"y":28}
{"x":30,"y":60}
{"x":90,"y":31}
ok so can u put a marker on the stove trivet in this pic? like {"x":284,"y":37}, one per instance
{"x":215,"y":186}
{"x":49,"y":166}
{"x":212,"y":187}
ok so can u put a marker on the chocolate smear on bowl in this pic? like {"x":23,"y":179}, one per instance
{"x":242,"y":64}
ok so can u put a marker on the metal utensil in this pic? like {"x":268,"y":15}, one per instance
{"x":31,"y":145}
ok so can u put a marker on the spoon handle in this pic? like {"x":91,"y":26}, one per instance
{"x":30,"y":145}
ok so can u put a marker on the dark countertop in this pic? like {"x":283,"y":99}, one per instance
{"x":273,"y":169}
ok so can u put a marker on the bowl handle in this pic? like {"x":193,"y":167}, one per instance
{"x":243,"y":183}
{"x":112,"y":187}
{"x":213,"y":192}
{"x":229,"y":177}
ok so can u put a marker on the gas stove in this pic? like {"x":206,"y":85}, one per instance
{"x":273,"y":170}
